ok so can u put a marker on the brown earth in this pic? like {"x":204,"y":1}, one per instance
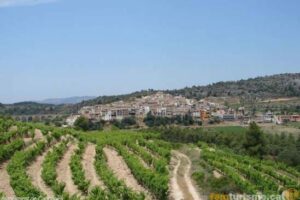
{"x":5,"y":181}
{"x":181,"y":185}
{"x":121,"y":170}
{"x":89,"y":168}
{"x":35,"y":173}
{"x":64,"y":173}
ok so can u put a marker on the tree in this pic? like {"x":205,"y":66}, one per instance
{"x":82,"y":123}
{"x":255,"y":141}
{"x":128,"y":121}
{"x":149,"y":120}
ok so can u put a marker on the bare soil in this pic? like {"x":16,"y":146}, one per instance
{"x":88,"y":166}
{"x":27,"y":141}
{"x":5,"y":181}
{"x":13,"y":128}
{"x":121,"y":170}
{"x":4,"y":176}
{"x":64,"y":173}
{"x":181,"y":185}
{"x":217,"y":174}
{"x":35,"y":173}
{"x":38,"y":135}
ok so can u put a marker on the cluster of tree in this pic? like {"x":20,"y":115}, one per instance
{"x":33,"y":108}
{"x":254,"y":142}
{"x":175,"y":134}
{"x":113,"y":98}
{"x":279,"y":85}
{"x":264,"y":87}
{"x":126,"y":122}
{"x":85,"y":124}
{"x":152,"y":121}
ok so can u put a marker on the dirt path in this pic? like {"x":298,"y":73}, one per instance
{"x":4,"y":181}
{"x":121,"y":170}
{"x":88,"y":166}
{"x":64,"y":173}
{"x":35,"y":173}
{"x":181,"y":186}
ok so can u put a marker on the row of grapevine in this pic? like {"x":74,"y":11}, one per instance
{"x":116,"y":187}
{"x":160,"y":165}
{"x":78,"y":174}
{"x":49,"y":168}
{"x":267,"y":169}
{"x":8,"y":150}
{"x":6,"y":124}
{"x":19,"y":180}
{"x":9,"y":136}
{"x":263,"y":182}
{"x":238,"y":179}
{"x":163,"y":152}
{"x":155,"y":182}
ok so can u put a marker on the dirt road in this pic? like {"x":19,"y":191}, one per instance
{"x":181,"y":186}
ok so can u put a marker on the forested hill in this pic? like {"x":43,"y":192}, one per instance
{"x":281,"y":85}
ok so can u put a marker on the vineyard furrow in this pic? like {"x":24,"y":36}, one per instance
{"x":139,"y":157}
{"x":64,"y":174}
{"x":266,"y":177}
{"x":121,"y":170}
{"x":38,"y":135}
{"x":89,"y":168}
{"x":35,"y":173}
{"x":5,"y":187}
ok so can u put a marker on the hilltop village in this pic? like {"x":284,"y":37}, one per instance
{"x":166,"y":105}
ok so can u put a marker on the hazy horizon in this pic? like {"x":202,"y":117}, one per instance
{"x":63,"y":48}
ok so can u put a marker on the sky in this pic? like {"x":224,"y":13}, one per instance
{"x":63,"y":48}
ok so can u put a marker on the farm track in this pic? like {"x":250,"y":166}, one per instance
{"x":89,"y":168}
{"x":121,"y":170}
{"x":181,"y":186}
{"x":64,"y":173}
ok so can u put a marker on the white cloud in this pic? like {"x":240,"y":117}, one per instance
{"x":9,"y":3}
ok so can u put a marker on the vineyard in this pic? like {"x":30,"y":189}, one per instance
{"x":41,"y":161}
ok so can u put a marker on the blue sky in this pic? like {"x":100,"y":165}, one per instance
{"x":62,"y":48}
